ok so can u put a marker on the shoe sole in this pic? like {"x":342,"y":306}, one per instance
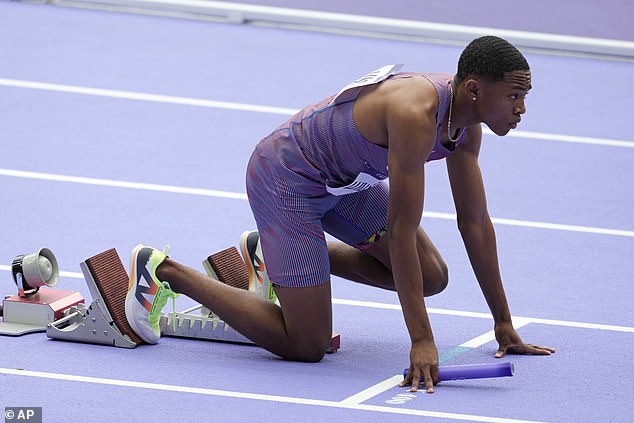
{"x":130,"y":298}
{"x":253,"y":278}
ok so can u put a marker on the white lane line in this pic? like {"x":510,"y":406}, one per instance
{"x":285,"y":111}
{"x":242,"y":196}
{"x":253,"y":396}
{"x":485,"y":338}
{"x":480,"y":340}
{"x":123,"y":184}
{"x":581,"y":325}
{"x":561,"y":227}
{"x":537,"y":225}
{"x":459,"y":313}
{"x":373,"y":391}
{"x":517,"y":320}
{"x":542,"y":136}
{"x":74,"y":275}
{"x":138,"y":96}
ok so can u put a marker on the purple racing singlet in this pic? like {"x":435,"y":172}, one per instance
{"x":317,"y":173}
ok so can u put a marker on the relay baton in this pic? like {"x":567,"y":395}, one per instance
{"x":472,"y":371}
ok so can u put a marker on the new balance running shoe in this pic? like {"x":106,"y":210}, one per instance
{"x":147,"y":295}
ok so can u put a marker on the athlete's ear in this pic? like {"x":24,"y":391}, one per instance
{"x":472,"y":87}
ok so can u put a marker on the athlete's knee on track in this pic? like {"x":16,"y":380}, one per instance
{"x":309,"y":350}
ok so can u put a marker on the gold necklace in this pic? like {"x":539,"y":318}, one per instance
{"x":449,"y":119}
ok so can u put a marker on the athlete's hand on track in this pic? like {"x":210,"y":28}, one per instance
{"x":423,"y":366}
{"x":511,"y":343}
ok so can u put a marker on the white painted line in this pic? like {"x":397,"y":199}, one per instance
{"x":459,"y":313}
{"x":518,"y":321}
{"x":478,"y":341}
{"x":564,"y":138}
{"x":242,"y":196}
{"x":561,"y":227}
{"x":373,"y":391}
{"x":539,"y":225}
{"x":368,"y":304}
{"x":581,"y":325}
{"x":74,"y":275}
{"x":285,"y":111}
{"x":123,"y":184}
{"x":156,"y":98}
{"x":253,"y":396}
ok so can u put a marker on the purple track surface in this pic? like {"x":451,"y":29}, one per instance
{"x":563,"y":212}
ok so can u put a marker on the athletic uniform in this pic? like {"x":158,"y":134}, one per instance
{"x":317,"y":173}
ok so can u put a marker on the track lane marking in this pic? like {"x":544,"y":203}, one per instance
{"x":440,"y":311}
{"x":243,"y":196}
{"x":257,"y":108}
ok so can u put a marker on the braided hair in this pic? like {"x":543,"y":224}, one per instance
{"x":489,"y":57}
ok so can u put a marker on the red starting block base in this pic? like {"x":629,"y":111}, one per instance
{"x":335,"y":343}
{"x":22,"y":315}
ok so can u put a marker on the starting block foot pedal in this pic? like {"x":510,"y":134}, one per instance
{"x":104,"y":321}
{"x":227,"y":266}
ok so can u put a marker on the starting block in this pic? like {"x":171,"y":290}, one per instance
{"x":104,"y":321}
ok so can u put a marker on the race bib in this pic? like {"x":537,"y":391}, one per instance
{"x":362,"y":182}
{"x":381,"y":74}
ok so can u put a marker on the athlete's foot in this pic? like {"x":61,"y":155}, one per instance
{"x":147,"y":294}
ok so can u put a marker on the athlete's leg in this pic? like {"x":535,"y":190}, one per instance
{"x":371,"y":266}
{"x":299,"y":329}
{"x":360,"y":220}
{"x":354,"y":265}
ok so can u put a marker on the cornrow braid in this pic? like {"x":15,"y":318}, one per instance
{"x":489,"y":57}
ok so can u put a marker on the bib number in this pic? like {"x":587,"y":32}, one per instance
{"x":374,"y":77}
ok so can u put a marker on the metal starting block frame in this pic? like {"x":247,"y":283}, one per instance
{"x":93,"y":324}
{"x":204,"y":325}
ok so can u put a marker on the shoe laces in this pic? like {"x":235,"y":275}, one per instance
{"x":164,"y":292}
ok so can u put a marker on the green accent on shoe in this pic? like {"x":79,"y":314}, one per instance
{"x":164,"y":292}
{"x":162,"y":295}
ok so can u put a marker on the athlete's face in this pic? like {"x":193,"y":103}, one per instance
{"x":502,"y":103}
